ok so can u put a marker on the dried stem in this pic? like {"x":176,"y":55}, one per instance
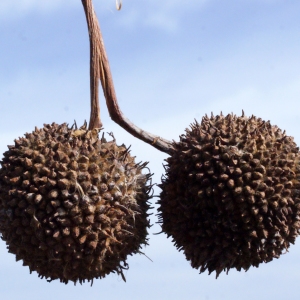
{"x":93,"y":28}
{"x":103,"y":70}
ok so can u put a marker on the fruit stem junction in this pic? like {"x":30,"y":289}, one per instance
{"x":100,"y":69}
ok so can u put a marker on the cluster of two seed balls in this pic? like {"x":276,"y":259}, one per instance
{"x":73,"y":206}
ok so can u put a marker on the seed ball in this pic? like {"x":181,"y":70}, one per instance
{"x":231,"y":194}
{"x":55,"y":214}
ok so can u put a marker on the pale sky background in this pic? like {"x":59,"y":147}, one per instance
{"x":172,"y":61}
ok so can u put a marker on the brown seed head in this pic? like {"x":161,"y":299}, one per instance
{"x":57,"y":204}
{"x":231,"y":194}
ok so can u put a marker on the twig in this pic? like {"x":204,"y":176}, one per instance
{"x":93,"y":29}
{"x":103,"y":70}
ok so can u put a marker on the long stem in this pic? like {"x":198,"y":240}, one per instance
{"x":93,"y":29}
{"x":109,"y":90}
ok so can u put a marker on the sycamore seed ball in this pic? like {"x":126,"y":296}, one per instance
{"x":231,"y":194}
{"x":72,"y":206}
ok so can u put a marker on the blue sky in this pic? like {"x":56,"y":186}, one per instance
{"x":172,"y":62}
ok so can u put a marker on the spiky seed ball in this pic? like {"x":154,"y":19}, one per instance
{"x":72,"y":206}
{"x":230,"y":197}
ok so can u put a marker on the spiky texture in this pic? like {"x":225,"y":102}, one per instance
{"x":72,"y":206}
{"x":230,"y":196}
